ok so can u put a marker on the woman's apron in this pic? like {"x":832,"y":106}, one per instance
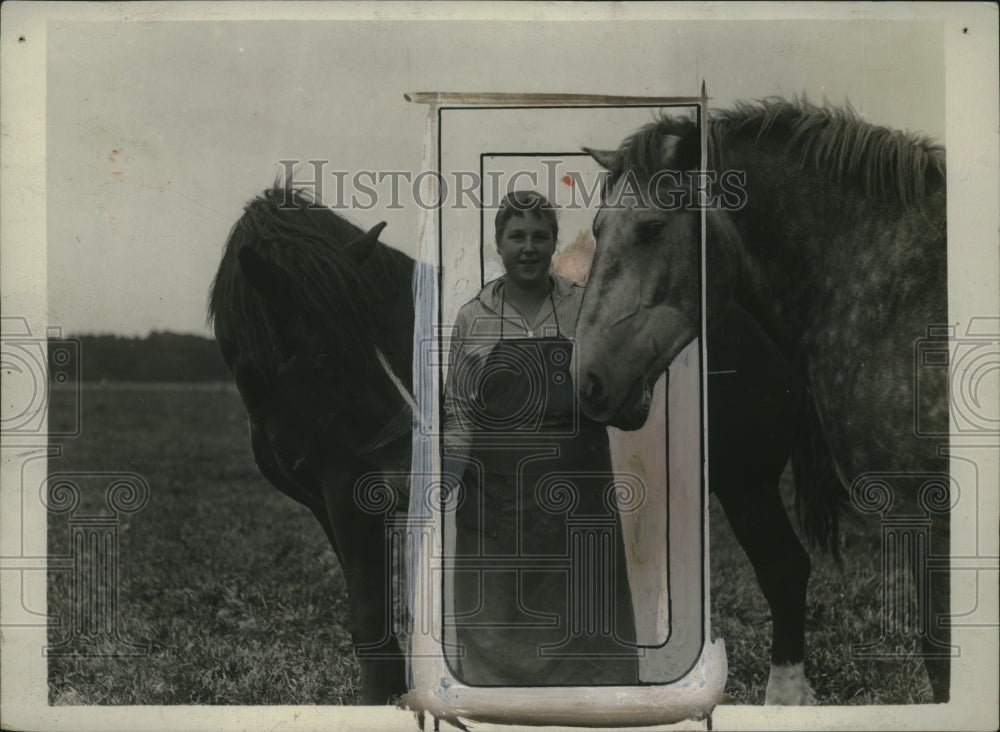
{"x":543,"y":598}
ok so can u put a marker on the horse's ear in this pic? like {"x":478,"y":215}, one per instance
{"x":668,"y":149}
{"x":268,"y":279}
{"x":361,"y":248}
{"x":605,"y":158}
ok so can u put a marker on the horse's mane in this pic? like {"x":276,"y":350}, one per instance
{"x":306,"y":239}
{"x":836,"y":141}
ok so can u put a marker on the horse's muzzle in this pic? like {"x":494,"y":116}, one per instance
{"x":630,"y":414}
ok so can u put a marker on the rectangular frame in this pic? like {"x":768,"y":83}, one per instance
{"x":694,"y":665}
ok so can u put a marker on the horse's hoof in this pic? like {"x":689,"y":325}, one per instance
{"x":787,"y":686}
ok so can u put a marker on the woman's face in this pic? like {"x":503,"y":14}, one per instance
{"x":526,"y":248}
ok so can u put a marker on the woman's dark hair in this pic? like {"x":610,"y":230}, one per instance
{"x":517,"y":203}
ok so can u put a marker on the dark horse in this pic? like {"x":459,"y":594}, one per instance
{"x":310,"y":313}
{"x":314,"y":318}
{"x":831,"y":235}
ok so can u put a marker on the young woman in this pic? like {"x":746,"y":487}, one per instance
{"x":540,"y":593}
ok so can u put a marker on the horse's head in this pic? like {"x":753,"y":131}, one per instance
{"x":319,"y":308}
{"x":643,"y":300}
{"x":301,"y":335}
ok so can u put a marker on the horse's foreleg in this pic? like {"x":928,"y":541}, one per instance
{"x":363,"y":552}
{"x":763,"y":529}
{"x":358,"y":539}
{"x":752,"y":407}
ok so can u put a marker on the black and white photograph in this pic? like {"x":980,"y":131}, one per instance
{"x":425,"y":365}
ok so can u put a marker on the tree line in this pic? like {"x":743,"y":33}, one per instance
{"x":160,"y":356}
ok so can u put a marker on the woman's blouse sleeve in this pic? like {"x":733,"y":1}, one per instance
{"x":457,"y":428}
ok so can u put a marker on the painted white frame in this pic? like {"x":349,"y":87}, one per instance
{"x":447,"y":236}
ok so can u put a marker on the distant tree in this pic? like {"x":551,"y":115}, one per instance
{"x":160,"y":356}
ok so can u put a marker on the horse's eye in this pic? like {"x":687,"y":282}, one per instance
{"x":649,"y":230}
{"x":321,"y":359}
{"x":286,"y":367}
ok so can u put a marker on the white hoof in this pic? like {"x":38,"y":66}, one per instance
{"x":787,"y":686}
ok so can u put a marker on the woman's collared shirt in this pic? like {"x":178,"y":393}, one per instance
{"x":479,"y":327}
{"x":481,"y":316}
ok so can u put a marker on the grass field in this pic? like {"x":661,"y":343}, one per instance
{"x":239,"y":599}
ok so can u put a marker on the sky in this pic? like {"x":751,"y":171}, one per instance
{"x":158,"y":132}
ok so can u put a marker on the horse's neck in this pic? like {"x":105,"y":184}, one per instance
{"x":801,"y":234}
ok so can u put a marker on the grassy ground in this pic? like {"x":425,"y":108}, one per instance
{"x":233,"y":585}
{"x":842,"y":609}
{"x":239,"y":599}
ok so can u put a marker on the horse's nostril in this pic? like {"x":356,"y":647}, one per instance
{"x":593,"y":386}
{"x":593,"y":392}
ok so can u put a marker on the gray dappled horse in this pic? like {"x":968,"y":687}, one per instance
{"x":831,"y":234}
